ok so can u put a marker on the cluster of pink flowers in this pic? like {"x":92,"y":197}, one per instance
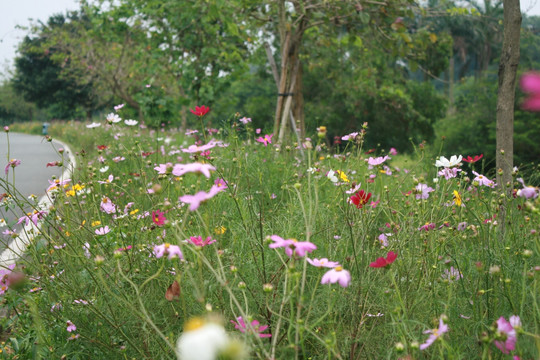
{"x":173,"y":251}
{"x":506,"y":336}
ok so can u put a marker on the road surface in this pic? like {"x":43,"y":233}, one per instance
{"x":32,"y":175}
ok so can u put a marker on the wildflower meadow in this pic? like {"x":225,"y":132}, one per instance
{"x":219,"y":243}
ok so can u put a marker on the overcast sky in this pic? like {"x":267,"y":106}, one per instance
{"x":18,"y":12}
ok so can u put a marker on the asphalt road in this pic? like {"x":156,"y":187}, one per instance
{"x":32,"y":175}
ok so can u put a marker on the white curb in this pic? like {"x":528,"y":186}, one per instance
{"x":18,"y":246}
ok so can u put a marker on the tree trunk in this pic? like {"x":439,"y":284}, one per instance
{"x":505,"y":105}
{"x":506,"y":95}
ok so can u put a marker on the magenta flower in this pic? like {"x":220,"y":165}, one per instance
{"x":324,"y":262}
{"x":337,"y":275}
{"x":530,"y":83}
{"x":181,"y":169}
{"x":12,"y":163}
{"x":70,"y":326}
{"x":158,"y":217}
{"x":506,"y":334}
{"x":198,"y":241}
{"x":200,"y":110}
{"x":482,"y":180}
{"x":435,"y":334}
{"x":172,"y":251}
{"x":195,"y":201}
{"x":107,"y":205}
{"x":423,"y":191}
{"x":427,"y":227}
{"x":392,"y":151}
{"x":474,"y":159}
{"x":383,"y":262}
{"x":267,"y":139}
{"x":241,"y":326}
{"x":103,"y":230}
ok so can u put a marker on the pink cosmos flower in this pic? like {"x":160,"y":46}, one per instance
{"x":197,"y":149}
{"x":528,"y":192}
{"x":158,"y":217}
{"x":195,"y":200}
{"x":292,"y":246}
{"x":376,"y":161}
{"x":103,"y":230}
{"x":181,"y":169}
{"x":382,"y":262}
{"x":258,"y":131}
{"x":392,"y":151}
{"x":32,"y":217}
{"x":107,"y":205}
{"x":113,"y":118}
{"x":482,"y":180}
{"x":109,"y":180}
{"x":530,"y":83}
{"x":56,"y":184}
{"x":324,"y":262}
{"x":198,"y":241}
{"x":507,"y":334}
{"x":350,"y":136}
{"x":267,"y":139}
{"x":164,"y":168}
{"x":70,"y":326}
{"x":5,"y":278}
{"x":451,"y":274}
{"x":383,"y":239}
{"x":337,"y":275}
{"x":220,"y":183}
{"x":423,"y":191}
{"x":241,"y":325}
{"x":449,"y":173}
{"x":12,"y":163}
{"x":435,"y":334}
{"x":245,"y":120}
{"x":167,"y":249}
{"x":200,"y":110}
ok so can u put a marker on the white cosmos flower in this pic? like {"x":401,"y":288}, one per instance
{"x":131,"y":122}
{"x":201,"y":341}
{"x":331,"y":175}
{"x":113,"y":118}
{"x":93,"y":125}
{"x":104,"y":169}
{"x":444,"y":162}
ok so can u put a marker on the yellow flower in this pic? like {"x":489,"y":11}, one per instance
{"x":457,"y":198}
{"x":96,"y":223}
{"x":343,"y":176}
{"x":133,"y":212}
{"x":220,"y":230}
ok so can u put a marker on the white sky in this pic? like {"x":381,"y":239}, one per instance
{"x":18,"y":12}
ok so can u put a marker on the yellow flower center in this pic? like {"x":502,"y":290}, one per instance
{"x":193,"y":324}
{"x":339,"y":268}
{"x":167,"y":245}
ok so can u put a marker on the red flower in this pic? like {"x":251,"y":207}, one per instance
{"x":54,"y":163}
{"x":370,"y":151}
{"x":471,"y":160}
{"x":158,"y":217}
{"x":102,"y":147}
{"x":360,"y":198}
{"x":382,"y":262}
{"x":200,"y":110}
